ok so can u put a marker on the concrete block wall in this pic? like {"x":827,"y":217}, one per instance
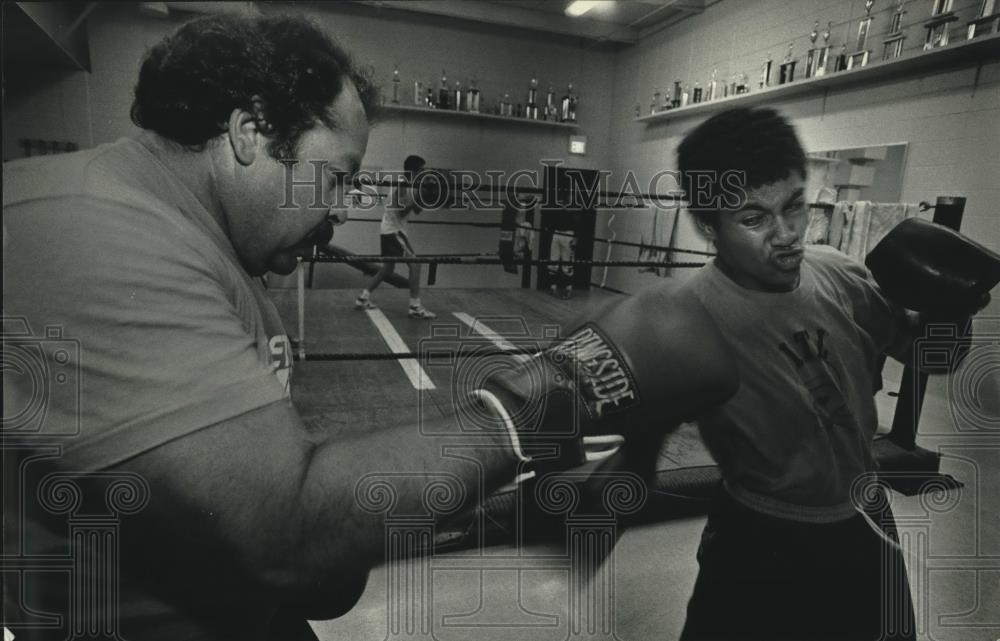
{"x":950,"y":118}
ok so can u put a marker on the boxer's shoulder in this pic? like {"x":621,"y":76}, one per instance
{"x":832,"y":264}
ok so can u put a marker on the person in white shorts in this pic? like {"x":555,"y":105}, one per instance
{"x":399,"y":205}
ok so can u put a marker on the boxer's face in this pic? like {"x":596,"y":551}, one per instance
{"x":271,"y":210}
{"x":760,"y":244}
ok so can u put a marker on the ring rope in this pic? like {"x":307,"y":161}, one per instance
{"x":472,"y":352}
{"x":442,"y":179}
{"x":611,"y":241}
{"x":489,"y":260}
{"x":431,"y":222}
{"x":625,"y":243}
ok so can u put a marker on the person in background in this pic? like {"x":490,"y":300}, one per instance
{"x":562,"y":248}
{"x":400,"y":204}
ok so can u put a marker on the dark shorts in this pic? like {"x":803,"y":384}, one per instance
{"x":762,"y":577}
{"x":396,"y":245}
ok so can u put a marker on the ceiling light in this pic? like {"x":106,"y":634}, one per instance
{"x":577,"y":8}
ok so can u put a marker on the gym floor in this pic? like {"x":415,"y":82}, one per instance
{"x":952,"y":537}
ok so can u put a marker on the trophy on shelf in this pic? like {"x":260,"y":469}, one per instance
{"x":892,"y":46}
{"x":765,"y":72}
{"x":786,"y":70}
{"x":840,"y":64}
{"x":860,"y":56}
{"x":823,"y":55}
{"x":988,"y":21}
{"x":939,"y":24}
{"x":811,"y":54}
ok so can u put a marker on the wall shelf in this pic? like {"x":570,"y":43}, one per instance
{"x":822,"y":159}
{"x":980,"y":49}
{"x":449,"y":113}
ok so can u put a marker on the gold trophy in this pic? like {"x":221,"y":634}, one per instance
{"x":786,"y":70}
{"x":988,"y":21}
{"x":811,"y":54}
{"x":939,"y":25}
{"x":892,"y":46}
{"x":860,"y":56}
{"x":823,"y":55}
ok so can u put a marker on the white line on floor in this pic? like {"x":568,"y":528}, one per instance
{"x":418,"y":377}
{"x":485,"y":331}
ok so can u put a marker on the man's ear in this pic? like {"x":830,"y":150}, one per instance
{"x":705,"y":224}
{"x":244,"y":135}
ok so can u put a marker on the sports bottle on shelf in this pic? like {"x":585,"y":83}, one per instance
{"x":443,"y":92}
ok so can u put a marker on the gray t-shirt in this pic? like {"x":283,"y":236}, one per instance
{"x":799,"y":431}
{"x":395,"y":217}
{"x":145,"y":329}
{"x":169,"y":333}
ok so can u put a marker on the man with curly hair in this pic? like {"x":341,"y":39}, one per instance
{"x":252,"y":128}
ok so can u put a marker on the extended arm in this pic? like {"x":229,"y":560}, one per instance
{"x":255,"y":497}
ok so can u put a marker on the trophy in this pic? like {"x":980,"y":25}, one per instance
{"x":765,"y":72}
{"x":786,"y":70}
{"x":939,"y":25}
{"x":860,"y":56}
{"x":823,"y":55}
{"x":840,"y":64}
{"x":988,"y":21}
{"x":811,"y":54}
{"x":892,"y":46}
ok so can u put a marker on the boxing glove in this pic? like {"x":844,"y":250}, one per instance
{"x":637,"y":367}
{"x":932,"y":269}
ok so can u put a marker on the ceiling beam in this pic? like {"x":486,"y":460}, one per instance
{"x":687,"y":6}
{"x":49,"y":31}
{"x":244,"y":7}
{"x":690,"y":8}
{"x":511,"y":16}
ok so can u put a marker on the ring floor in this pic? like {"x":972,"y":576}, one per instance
{"x":952,"y":537}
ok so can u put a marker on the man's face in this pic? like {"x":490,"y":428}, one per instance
{"x":268,"y":228}
{"x":760,"y":244}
